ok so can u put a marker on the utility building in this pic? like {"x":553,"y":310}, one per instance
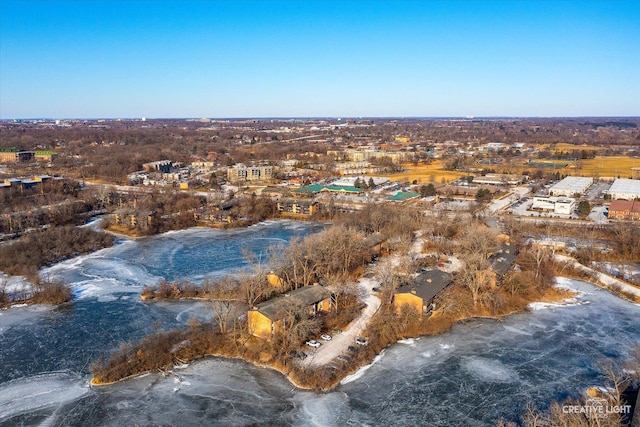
{"x":571,"y":185}
{"x":625,"y":189}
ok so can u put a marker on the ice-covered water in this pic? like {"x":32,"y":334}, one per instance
{"x":473,"y":375}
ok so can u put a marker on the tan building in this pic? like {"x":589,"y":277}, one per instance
{"x":265,"y":319}
{"x":240,"y":173}
{"x":420,"y":293}
{"x":274,"y":280}
{"x":45,"y":156}
{"x":132,"y":219}
{"x":354,"y":155}
{"x":298,"y":207}
{"x":12,"y":155}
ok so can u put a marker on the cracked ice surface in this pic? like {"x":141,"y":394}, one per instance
{"x":476,"y":373}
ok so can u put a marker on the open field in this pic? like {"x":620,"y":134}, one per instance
{"x":620,"y":166}
{"x":565,"y":146}
{"x":610,"y":166}
{"x":599,"y":167}
{"x":424,"y":174}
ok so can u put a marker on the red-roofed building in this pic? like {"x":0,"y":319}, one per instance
{"x":624,"y":209}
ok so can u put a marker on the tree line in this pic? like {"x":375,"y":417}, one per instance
{"x":25,"y":256}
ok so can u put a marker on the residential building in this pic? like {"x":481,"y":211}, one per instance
{"x":240,"y":173}
{"x":45,"y":155}
{"x":265,"y":319}
{"x":361,"y":155}
{"x":421,"y":292}
{"x":133,"y":218}
{"x":163,"y":166}
{"x":298,"y":206}
{"x":377,"y":242}
{"x":13,"y":155}
{"x":502,"y":260}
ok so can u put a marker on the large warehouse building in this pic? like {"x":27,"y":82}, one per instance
{"x":625,"y":189}
{"x":571,"y":185}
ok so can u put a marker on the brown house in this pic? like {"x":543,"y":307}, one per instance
{"x":625,"y":210}
{"x":420,"y":293}
{"x":265,"y":319}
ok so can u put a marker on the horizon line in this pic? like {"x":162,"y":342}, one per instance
{"x":468,"y":117}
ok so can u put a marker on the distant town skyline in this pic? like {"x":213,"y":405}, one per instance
{"x":224,"y":59}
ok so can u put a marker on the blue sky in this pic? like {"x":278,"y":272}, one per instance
{"x":101,"y":59}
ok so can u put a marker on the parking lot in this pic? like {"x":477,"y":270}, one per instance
{"x":596,"y":190}
{"x":598,"y":216}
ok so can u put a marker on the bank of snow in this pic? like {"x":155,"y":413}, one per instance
{"x":565,"y":283}
{"x":360,"y":372}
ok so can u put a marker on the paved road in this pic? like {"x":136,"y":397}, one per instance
{"x":328,"y":351}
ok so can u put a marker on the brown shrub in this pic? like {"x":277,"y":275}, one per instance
{"x":51,"y":292}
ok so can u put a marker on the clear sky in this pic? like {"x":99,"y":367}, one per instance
{"x":107,"y":59}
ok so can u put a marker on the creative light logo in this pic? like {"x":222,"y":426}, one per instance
{"x":596,"y":407}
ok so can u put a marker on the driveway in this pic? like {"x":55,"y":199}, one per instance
{"x":329,"y":350}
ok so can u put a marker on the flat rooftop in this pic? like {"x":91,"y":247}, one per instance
{"x":627,"y":186}
{"x":573,"y":183}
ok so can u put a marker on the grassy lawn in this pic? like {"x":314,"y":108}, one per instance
{"x":425,"y":174}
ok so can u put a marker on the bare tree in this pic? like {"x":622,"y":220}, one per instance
{"x":479,"y":240}
{"x":386,"y":272}
{"x":296,"y":326}
{"x":476,"y":276}
{"x":253,"y":285}
{"x":223,"y":295}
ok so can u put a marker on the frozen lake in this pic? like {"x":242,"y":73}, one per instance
{"x":472,"y":375}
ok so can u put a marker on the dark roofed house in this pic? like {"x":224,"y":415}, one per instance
{"x":264,"y":319}
{"x":376,"y":242}
{"x":421,"y":292}
{"x":502,"y":260}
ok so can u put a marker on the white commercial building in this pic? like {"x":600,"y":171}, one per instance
{"x":625,"y":189}
{"x":498,"y":179}
{"x":559,"y":205}
{"x":571,"y":185}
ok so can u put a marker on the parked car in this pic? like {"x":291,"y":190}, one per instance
{"x":313,"y":343}
{"x":326,"y":337}
{"x":361,"y":341}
